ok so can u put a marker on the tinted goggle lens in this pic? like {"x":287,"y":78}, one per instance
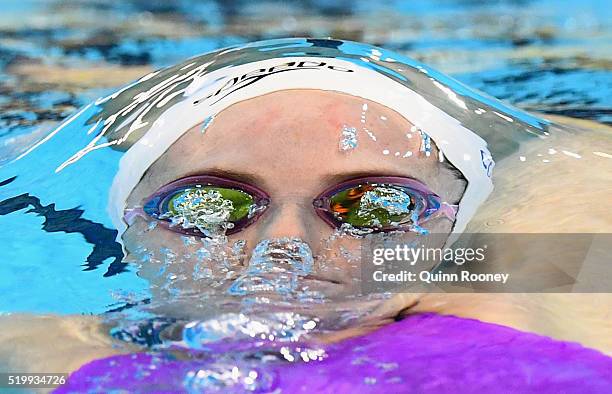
{"x":195,"y":204}
{"x":215,"y":203}
{"x":195,"y":208}
{"x":376,"y":206}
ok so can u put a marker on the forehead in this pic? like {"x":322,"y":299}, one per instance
{"x":309,"y":120}
{"x":297,"y":133}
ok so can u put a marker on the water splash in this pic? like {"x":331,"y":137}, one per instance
{"x":275,"y":266}
{"x":393,"y":200}
{"x":235,"y":327}
{"x":425,"y":143}
{"x":206,"y":210}
{"x":228,"y":378}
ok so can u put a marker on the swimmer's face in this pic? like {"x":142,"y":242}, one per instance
{"x":287,"y":144}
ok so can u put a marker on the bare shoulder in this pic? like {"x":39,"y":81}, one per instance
{"x":51,"y":343}
{"x":582,"y":318}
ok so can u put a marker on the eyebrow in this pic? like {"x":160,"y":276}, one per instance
{"x":244,"y":177}
{"x":256,"y":180}
{"x":334,"y":179}
{"x":327,"y":180}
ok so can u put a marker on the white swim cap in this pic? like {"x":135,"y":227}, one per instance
{"x":210,"y":93}
{"x":142,"y":120}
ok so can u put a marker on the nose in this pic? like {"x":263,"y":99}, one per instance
{"x":291,"y":219}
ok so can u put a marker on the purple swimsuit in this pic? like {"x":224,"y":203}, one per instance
{"x":425,"y":353}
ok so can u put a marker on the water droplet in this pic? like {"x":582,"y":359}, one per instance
{"x":349,"y":138}
{"x":207,"y":122}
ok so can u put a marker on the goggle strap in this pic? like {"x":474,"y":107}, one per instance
{"x":129,"y":215}
{"x":448,"y":210}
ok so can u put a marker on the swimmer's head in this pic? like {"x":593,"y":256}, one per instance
{"x":283,"y":152}
{"x":275,"y":168}
{"x":207,"y":97}
{"x":286,"y":155}
{"x":269,"y":143}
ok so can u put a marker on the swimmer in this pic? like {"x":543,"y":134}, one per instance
{"x":254,"y":192}
{"x":292,"y":158}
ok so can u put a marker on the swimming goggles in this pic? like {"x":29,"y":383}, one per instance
{"x":191,"y":205}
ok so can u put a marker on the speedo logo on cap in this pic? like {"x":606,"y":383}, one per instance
{"x":236,"y":83}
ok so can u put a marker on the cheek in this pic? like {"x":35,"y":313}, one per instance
{"x":160,"y":253}
{"x":144,"y":238}
{"x":439,"y":229}
{"x":175,"y":263}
